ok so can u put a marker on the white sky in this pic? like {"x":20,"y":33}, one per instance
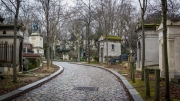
{"x":71,"y":3}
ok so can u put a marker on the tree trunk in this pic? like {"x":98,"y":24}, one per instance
{"x":48,"y":55}
{"x":166,"y":65}
{"x":147,"y":86}
{"x":106,"y":48}
{"x":51,"y":54}
{"x":21,"y":56}
{"x":88,"y":43}
{"x":47,"y":28}
{"x":157,"y":85}
{"x":78,"y":50}
{"x":143,"y":9}
{"x":143,"y":47}
{"x":15,"y":42}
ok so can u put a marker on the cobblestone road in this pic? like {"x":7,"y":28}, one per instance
{"x":64,"y":86}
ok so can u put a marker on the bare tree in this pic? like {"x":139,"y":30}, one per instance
{"x":45,"y":4}
{"x":86,"y":11}
{"x":154,"y":11}
{"x":56,"y":21}
{"x":16,"y":5}
{"x":51,"y":15}
{"x":166,"y":65}
{"x":116,"y":17}
{"x":76,"y":28}
{"x":143,"y":6}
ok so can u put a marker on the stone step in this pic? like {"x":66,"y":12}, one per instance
{"x":175,"y":80}
{"x":176,"y":76}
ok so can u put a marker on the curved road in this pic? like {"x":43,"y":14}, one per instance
{"x":78,"y":83}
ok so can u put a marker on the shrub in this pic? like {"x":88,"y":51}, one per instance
{"x":82,"y":59}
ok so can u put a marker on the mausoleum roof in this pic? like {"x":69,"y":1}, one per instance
{"x":31,"y":55}
{"x":147,"y":26}
{"x":169,"y":23}
{"x":11,"y":27}
{"x":111,"y":38}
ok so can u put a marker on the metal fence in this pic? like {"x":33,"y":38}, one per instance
{"x":6,"y":52}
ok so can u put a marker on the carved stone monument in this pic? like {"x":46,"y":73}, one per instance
{"x":35,"y":27}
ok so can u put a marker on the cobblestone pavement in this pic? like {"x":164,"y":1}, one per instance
{"x":64,"y":86}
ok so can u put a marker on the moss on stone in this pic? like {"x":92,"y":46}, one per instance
{"x":151,"y":25}
{"x":113,"y":38}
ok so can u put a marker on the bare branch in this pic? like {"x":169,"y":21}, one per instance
{"x":13,"y":3}
{"x":8,"y":7}
{"x":140,"y":4}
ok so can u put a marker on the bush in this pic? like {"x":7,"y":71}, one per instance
{"x":82,"y":59}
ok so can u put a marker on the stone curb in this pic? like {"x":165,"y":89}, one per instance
{"x":18,"y":92}
{"x":134,"y":94}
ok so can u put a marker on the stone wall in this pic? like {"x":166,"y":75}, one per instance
{"x":151,"y":48}
{"x":173,"y":46}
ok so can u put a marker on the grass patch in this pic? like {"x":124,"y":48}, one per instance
{"x":11,"y":84}
{"x":124,"y":71}
{"x":140,"y":87}
{"x":175,"y":99}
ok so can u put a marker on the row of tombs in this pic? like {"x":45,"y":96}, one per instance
{"x":28,"y":47}
{"x":154,"y":53}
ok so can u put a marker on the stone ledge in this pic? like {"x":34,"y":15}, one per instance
{"x":16,"y":93}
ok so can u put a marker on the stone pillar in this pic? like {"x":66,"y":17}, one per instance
{"x":161,"y":58}
{"x":21,"y":56}
{"x":177,"y":55}
{"x":171,"y":57}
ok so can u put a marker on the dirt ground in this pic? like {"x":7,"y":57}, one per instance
{"x":7,"y":85}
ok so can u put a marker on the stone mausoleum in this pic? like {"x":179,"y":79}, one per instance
{"x":37,"y":42}
{"x":6,"y":47}
{"x":173,"y":44}
{"x":151,"y":45}
{"x":114,"y":47}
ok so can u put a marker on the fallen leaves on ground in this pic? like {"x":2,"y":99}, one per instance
{"x":7,"y":85}
{"x":125,"y":71}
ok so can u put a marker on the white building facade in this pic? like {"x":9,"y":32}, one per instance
{"x":114,"y":48}
{"x":173,"y":46}
{"x":37,"y":41}
{"x":151,"y":46}
{"x":6,"y":48}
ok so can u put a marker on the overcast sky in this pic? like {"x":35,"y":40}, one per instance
{"x":71,"y":3}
